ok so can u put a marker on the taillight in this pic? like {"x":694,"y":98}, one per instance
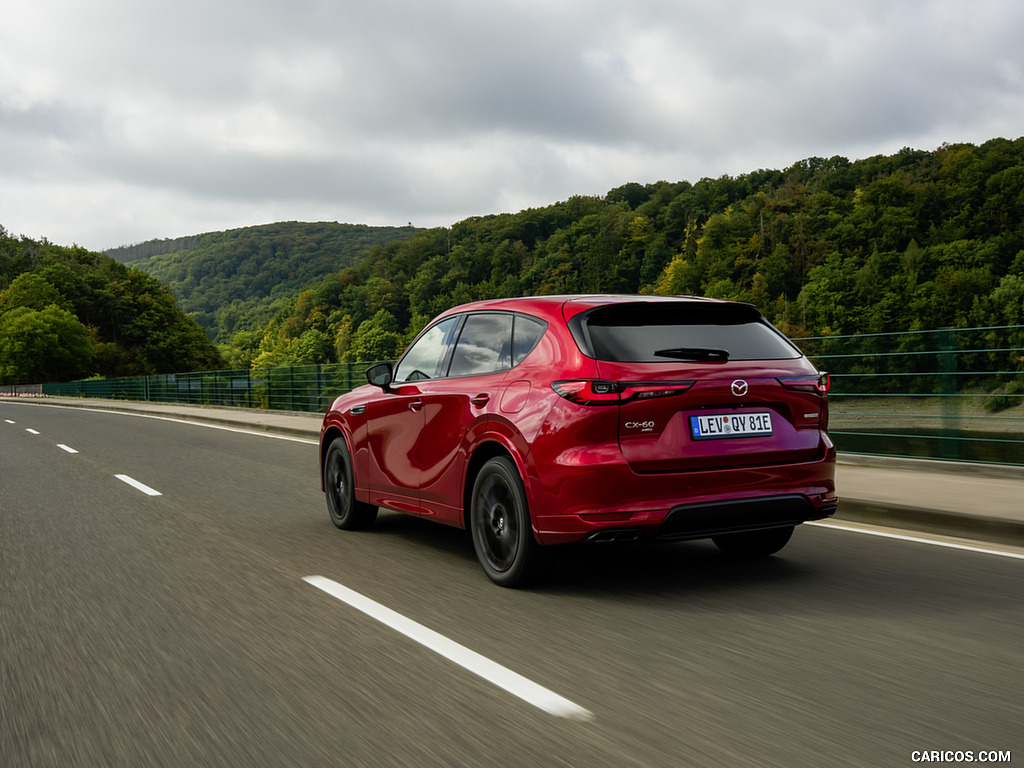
{"x":587,"y":392}
{"x":821,"y":383}
{"x":591,"y":392}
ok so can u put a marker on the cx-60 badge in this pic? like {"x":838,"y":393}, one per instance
{"x":739,"y":387}
{"x":643,"y":426}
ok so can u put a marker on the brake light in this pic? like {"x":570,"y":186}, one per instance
{"x":587,"y":392}
{"x":591,"y":392}
{"x":821,"y":383}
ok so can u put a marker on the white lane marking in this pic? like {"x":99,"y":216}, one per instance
{"x":920,"y":540}
{"x":137,"y":485}
{"x":67,"y":448}
{"x":514,"y":683}
{"x":273,"y":435}
{"x":10,"y":422}
{"x":31,"y":431}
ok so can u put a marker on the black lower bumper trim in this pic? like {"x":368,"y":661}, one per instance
{"x":698,"y":521}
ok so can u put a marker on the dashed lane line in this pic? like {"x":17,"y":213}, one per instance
{"x":138,"y":486}
{"x":123,"y":478}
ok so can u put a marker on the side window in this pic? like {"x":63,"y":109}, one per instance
{"x":424,"y":357}
{"x":485,"y":345}
{"x":525,"y":335}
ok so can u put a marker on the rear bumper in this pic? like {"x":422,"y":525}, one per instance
{"x":701,"y":521}
{"x":619,"y":505}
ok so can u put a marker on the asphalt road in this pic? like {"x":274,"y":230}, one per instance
{"x":180,"y":630}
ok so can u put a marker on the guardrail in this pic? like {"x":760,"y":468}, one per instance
{"x":950,"y":394}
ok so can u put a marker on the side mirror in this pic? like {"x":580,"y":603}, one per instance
{"x":380,"y":375}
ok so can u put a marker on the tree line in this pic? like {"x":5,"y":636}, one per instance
{"x":915,"y":240}
{"x":239,"y":279}
{"x":68,"y":313}
{"x":909,"y":241}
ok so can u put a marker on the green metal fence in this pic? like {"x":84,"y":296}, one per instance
{"x":951,"y":394}
{"x":306,"y":388}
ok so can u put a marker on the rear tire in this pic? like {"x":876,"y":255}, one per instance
{"x":754,"y":544}
{"x":499,"y":521}
{"x":339,"y":487}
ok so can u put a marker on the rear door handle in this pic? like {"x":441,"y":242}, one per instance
{"x":480,"y":400}
{"x":415,"y":405}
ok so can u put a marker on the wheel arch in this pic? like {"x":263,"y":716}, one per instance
{"x":332,"y":433}
{"x":491,"y":448}
{"x":483,"y":453}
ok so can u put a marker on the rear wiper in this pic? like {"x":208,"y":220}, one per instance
{"x":695,"y":353}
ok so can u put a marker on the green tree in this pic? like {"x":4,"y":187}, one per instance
{"x":41,"y":345}
{"x":376,"y":339}
{"x":31,"y":291}
{"x":311,"y":347}
{"x":239,"y":353}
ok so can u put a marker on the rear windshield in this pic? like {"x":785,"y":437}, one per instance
{"x":650,"y":332}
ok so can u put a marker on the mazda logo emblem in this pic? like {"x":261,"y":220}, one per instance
{"x":739,"y":387}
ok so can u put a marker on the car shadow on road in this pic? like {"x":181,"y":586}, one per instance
{"x":655,"y":568}
{"x":819,"y":573}
{"x":650,"y":568}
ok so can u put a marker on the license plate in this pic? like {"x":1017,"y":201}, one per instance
{"x":722,"y":425}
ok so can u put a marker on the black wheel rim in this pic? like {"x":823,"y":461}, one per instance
{"x":497,"y":523}
{"x":337,"y":484}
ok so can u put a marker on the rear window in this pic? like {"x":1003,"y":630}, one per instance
{"x":659,"y":332}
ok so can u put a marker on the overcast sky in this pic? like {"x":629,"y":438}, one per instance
{"x":127,"y":120}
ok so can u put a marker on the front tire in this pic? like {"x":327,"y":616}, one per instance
{"x":500,"y":525}
{"x":339,"y":487}
{"x":754,"y":544}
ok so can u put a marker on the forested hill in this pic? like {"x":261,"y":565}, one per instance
{"x":916,"y":240}
{"x":231,"y":280}
{"x":68,"y":313}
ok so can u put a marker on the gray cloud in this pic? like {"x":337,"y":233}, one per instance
{"x":160,"y":119}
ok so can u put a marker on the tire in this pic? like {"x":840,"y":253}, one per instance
{"x":499,"y":520}
{"x":339,"y":487}
{"x":754,"y":544}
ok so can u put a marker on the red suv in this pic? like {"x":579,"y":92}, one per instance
{"x":556,"y":419}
